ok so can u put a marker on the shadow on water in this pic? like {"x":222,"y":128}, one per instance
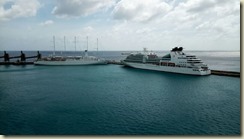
{"x":19,"y":68}
{"x":22,"y":68}
{"x":68,"y":66}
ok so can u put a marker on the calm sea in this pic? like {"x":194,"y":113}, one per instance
{"x":115,"y":100}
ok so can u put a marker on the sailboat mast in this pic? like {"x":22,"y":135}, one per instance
{"x":97,"y":46}
{"x":64,"y":44}
{"x":87,"y":43}
{"x":75,"y":43}
{"x":54,"y":45}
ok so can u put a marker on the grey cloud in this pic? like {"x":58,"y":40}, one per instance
{"x":17,"y":9}
{"x":75,"y":8}
{"x":124,"y":13}
{"x":204,"y":5}
{"x":140,"y":10}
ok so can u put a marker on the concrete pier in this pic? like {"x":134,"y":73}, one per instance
{"x":21,"y":59}
{"x":225,"y":73}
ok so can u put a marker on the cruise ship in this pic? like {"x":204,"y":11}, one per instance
{"x":176,"y":62}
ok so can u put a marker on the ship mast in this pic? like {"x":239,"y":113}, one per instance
{"x":87,"y":43}
{"x":97,"y":46}
{"x":75,"y":43}
{"x":86,"y":51}
{"x":53,"y":45}
{"x":64,"y":44}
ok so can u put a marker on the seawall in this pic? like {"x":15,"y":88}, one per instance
{"x":225,"y":73}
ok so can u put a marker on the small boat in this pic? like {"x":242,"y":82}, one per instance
{"x":176,"y":62}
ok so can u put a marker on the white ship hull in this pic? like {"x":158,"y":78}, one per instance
{"x":70,"y":62}
{"x":181,"y":70}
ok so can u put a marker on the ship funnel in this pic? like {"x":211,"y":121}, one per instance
{"x":177,"y":49}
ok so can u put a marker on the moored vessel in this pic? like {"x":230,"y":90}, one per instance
{"x":176,"y":62}
{"x":54,"y":60}
{"x":70,"y":61}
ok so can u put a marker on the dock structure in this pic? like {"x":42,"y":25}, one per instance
{"x":21,"y":59}
{"x":225,"y":73}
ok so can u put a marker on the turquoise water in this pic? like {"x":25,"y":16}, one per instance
{"x":115,"y":100}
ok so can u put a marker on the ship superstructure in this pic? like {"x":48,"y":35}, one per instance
{"x":176,"y":61}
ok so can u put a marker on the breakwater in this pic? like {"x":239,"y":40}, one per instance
{"x":21,"y":59}
{"x":225,"y":73}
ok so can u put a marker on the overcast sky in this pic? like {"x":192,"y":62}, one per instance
{"x":120,"y":24}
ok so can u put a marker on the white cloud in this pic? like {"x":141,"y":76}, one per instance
{"x":88,"y":29}
{"x":140,"y":10}
{"x":46,"y":23}
{"x":134,"y":24}
{"x":143,"y":30}
{"x":210,"y":23}
{"x":18,"y":8}
{"x":204,"y":16}
{"x":76,"y":8}
{"x":205,"y":5}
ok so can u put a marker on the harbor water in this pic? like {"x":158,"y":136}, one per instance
{"x":117,"y":100}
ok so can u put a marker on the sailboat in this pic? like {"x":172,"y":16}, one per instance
{"x":54,"y":60}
